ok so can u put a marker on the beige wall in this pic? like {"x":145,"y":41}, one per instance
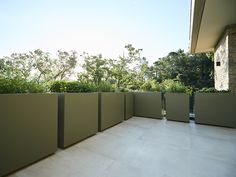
{"x":225,"y":53}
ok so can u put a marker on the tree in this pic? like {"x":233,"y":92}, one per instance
{"x":17,"y":65}
{"x":43,"y":65}
{"x":38,"y":66}
{"x":51,"y":69}
{"x":96,"y":69}
{"x":192,"y":70}
{"x":64,"y":65}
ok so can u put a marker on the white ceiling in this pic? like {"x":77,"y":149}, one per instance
{"x":217,"y":15}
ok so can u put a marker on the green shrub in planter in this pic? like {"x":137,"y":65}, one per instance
{"x":58,"y":86}
{"x":212,"y":90}
{"x":173,"y":86}
{"x":75,"y":87}
{"x":78,"y":111}
{"x":151,"y":85}
{"x":19,"y":85}
{"x":72,"y":87}
{"x":215,"y":108}
{"x":176,"y":100}
{"x":105,"y":87}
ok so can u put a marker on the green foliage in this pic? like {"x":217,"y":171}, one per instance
{"x":212,"y":90}
{"x":72,"y":87}
{"x":85,"y":87}
{"x":38,"y":66}
{"x":58,"y":86}
{"x":34,"y":87}
{"x":150,"y":85}
{"x":173,"y":86}
{"x":38,"y":70}
{"x":192,"y":70}
{"x":105,"y":87}
{"x":96,"y":69}
{"x":121,"y":89}
{"x":19,"y":85}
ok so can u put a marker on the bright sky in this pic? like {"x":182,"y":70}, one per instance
{"x":94,"y":26}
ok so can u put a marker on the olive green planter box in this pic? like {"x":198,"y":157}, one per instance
{"x":78,"y":117}
{"x":129,"y":105}
{"x":177,"y":106}
{"x":111,"y":109}
{"x":148,"y":104}
{"x":216,"y":109}
{"x":28,"y":129}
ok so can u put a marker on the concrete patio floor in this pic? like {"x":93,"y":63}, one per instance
{"x":143,"y":147}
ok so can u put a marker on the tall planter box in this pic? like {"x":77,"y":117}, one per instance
{"x":28,"y":129}
{"x":215,"y":109}
{"x":129,"y":105}
{"x":111,"y":109}
{"x":148,"y":104}
{"x":177,"y":106}
{"x":78,"y":117}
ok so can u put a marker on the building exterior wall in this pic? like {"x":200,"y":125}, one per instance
{"x":221,"y":73}
{"x":225,"y":60}
{"x":232,"y":58}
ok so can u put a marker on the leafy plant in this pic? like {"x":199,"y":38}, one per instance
{"x":85,"y":87}
{"x":58,"y":86}
{"x":173,"y":86}
{"x":105,"y":87}
{"x":72,"y":87}
{"x":212,"y":90}
{"x":150,"y":85}
{"x":19,"y":85}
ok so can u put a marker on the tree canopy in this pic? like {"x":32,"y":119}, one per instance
{"x":130,"y":71}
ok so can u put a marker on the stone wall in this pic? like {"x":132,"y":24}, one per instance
{"x":232,"y":57}
{"x":221,"y":72}
{"x":225,"y":60}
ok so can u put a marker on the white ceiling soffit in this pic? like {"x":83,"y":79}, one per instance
{"x":217,"y":14}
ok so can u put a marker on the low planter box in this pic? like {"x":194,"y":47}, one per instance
{"x":78,"y":117}
{"x":129,"y":105}
{"x":148,"y":104}
{"x":215,"y":109}
{"x":28,"y":129}
{"x":111,"y":109}
{"x":177,"y":106}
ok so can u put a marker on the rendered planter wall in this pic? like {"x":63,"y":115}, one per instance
{"x":148,"y":104}
{"x":111,"y":109}
{"x":28,"y":129}
{"x":177,"y":106}
{"x":78,"y":117}
{"x":215,"y":109}
{"x":129,"y":105}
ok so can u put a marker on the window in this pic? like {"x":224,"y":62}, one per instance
{"x":218,"y":63}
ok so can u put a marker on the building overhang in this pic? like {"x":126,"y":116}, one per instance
{"x":209,"y":18}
